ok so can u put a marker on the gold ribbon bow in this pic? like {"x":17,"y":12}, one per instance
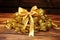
{"x":28,"y":17}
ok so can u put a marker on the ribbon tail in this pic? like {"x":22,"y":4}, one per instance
{"x":24,"y":18}
{"x":25,"y":21}
{"x":25,"y":24}
{"x":31,"y":33}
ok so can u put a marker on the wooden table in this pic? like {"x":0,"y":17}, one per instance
{"x":11,"y":35}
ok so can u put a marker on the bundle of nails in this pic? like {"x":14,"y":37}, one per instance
{"x":30,"y":22}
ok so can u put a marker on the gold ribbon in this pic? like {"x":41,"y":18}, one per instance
{"x":31,"y":33}
{"x":27,"y":16}
{"x":25,"y":21}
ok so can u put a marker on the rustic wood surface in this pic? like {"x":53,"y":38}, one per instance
{"x":5,"y":34}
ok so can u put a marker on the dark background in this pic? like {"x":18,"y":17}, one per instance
{"x":11,"y":6}
{"x":8,"y":6}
